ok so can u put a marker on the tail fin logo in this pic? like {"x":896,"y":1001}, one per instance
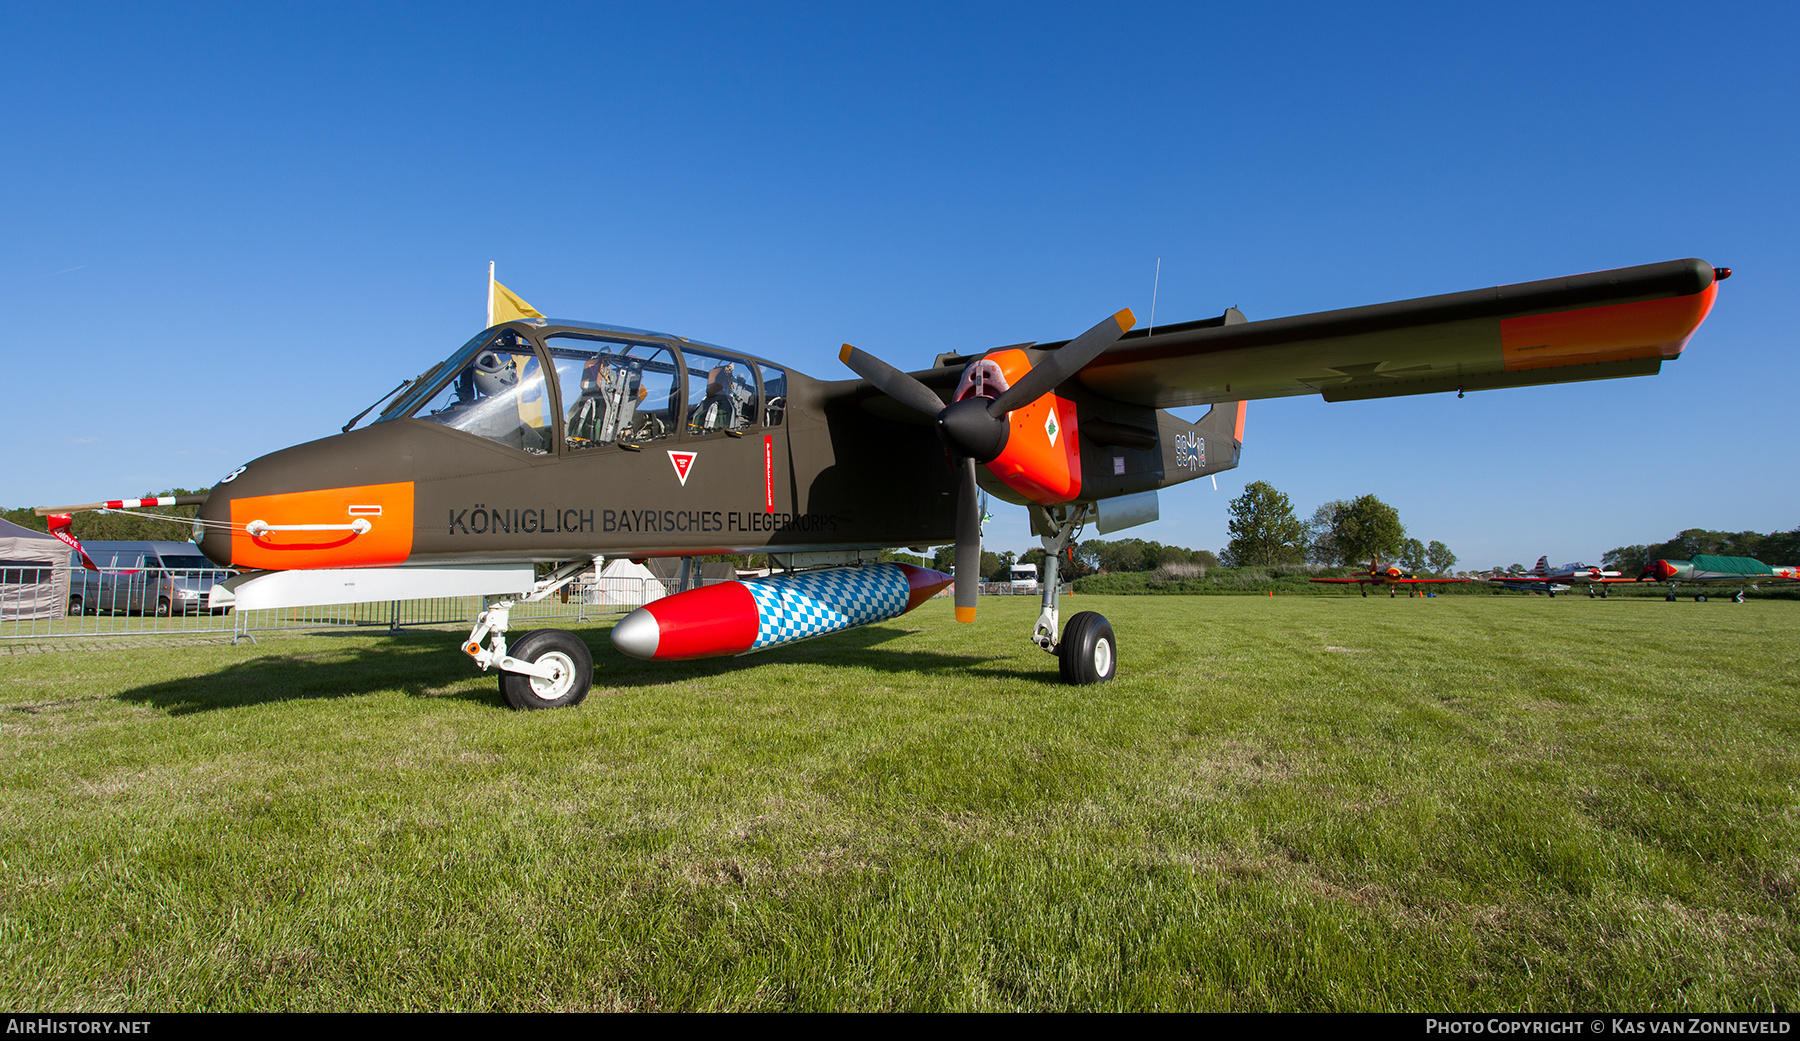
{"x":1190,"y":450}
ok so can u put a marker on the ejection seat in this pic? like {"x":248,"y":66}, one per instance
{"x":718,"y":409}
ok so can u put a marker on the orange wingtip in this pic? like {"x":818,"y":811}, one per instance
{"x":1125,"y":319}
{"x":965,"y":614}
{"x":844,"y":355}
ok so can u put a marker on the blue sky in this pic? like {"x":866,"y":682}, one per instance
{"x":231,"y":227}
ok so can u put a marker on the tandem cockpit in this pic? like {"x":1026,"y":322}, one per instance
{"x":610,"y":387}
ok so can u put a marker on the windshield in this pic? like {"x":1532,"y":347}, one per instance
{"x":426,"y":383}
{"x":492,"y":388}
{"x":193,"y":563}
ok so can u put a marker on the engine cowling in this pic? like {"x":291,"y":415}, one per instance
{"x":1042,"y":457}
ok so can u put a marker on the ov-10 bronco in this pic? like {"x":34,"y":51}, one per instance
{"x":544,"y":441}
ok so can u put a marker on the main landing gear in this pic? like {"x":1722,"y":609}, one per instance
{"x":546,"y":668}
{"x":1088,"y":651}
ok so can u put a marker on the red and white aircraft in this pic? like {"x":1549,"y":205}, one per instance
{"x":1544,"y":579}
{"x":1391,"y":577}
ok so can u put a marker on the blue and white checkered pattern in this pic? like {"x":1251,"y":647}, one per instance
{"x":814,"y":603}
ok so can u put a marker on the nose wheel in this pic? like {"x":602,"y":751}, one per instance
{"x":566,"y":660}
{"x":545,"y":668}
{"x":1088,"y":652}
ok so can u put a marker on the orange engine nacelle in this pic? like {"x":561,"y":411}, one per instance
{"x":1042,"y":457}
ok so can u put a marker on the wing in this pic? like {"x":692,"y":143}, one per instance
{"x":1424,"y":581}
{"x":1606,"y":324}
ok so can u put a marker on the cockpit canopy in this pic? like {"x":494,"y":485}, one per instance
{"x":609,"y":389}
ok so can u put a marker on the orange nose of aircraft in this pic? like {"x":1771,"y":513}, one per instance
{"x":304,"y":508}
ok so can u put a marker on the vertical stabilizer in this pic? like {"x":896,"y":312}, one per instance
{"x":1225,"y":420}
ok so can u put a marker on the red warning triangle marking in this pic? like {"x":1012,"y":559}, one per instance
{"x":683,"y":462}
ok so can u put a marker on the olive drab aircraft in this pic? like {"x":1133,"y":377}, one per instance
{"x":543,"y":442}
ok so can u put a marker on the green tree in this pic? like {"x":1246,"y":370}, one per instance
{"x":1782,"y":547}
{"x":1264,"y":529}
{"x":1626,"y":560}
{"x":1321,"y":548}
{"x":1439,"y":557}
{"x":124,"y":527}
{"x":1412,"y":555}
{"x":945,"y":560}
{"x":1364,"y":529}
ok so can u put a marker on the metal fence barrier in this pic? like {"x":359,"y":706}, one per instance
{"x":51,"y":602}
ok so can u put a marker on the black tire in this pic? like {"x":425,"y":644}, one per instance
{"x":1088,"y":653}
{"x":75,"y":606}
{"x":564,"y":649}
{"x":162,"y":607}
{"x":1699,"y":598}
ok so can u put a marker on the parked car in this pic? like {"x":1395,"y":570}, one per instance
{"x":161,"y":578}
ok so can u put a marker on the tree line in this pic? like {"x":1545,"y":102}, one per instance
{"x":1781,"y":547}
{"x":166,"y":523}
{"x":1344,"y":532}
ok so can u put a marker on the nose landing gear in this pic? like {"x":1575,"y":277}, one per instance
{"x":1088,"y":652}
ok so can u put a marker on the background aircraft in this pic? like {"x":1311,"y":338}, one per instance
{"x":1544,"y":579}
{"x":1391,"y":577}
{"x":541,"y":442}
{"x":1705,"y":570}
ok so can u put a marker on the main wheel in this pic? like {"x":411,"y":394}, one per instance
{"x":1088,"y":652}
{"x":1699,"y":598}
{"x":562,"y":651}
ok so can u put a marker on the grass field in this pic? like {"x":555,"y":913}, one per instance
{"x":1281,"y":803}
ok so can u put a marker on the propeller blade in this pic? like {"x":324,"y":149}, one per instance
{"x":891,"y":381}
{"x":1062,"y":363}
{"x":968,"y":539}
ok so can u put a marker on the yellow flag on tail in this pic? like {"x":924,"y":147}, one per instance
{"x":504,"y":305}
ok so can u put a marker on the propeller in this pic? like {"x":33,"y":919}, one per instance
{"x":975,"y":429}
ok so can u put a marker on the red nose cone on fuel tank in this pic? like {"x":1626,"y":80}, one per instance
{"x":700,"y":623}
{"x":925,"y":584}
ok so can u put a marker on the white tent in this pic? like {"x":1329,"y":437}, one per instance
{"x":34,"y":573}
{"x":624,"y":584}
